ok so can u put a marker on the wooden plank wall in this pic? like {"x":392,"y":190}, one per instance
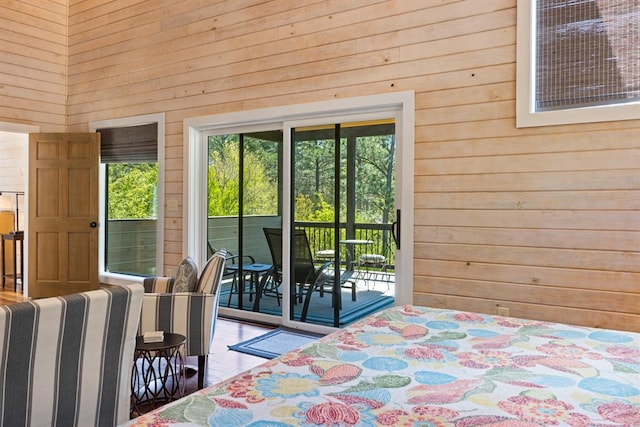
{"x":13,"y":152}
{"x":33,"y":63}
{"x":544,"y":222}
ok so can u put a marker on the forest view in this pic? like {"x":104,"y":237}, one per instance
{"x":132,"y":186}
{"x":366,"y":167}
{"x":314,"y":171}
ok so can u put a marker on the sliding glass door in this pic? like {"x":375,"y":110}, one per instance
{"x":343,"y":203}
{"x":244,"y":172}
{"x":306,"y":200}
{"x":331,"y":257}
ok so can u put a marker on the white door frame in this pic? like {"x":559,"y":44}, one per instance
{"x":399,"y":105}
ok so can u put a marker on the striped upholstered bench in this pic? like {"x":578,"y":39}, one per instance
{"x":67,"y":360}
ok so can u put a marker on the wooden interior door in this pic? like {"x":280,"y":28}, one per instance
{"x":62,"y":233}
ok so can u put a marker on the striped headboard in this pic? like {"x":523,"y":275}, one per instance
{"x":67,"y":360}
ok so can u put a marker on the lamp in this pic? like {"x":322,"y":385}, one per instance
{"x":17,"y":193}
{"x":5,"y":203}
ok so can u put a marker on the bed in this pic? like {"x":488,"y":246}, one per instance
{"x":410,"y":366}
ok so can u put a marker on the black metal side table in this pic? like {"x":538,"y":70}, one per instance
{"x":158,"y":373}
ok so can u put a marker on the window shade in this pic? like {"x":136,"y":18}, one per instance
{"x":587,"y":53}
{"x":129,"y":144}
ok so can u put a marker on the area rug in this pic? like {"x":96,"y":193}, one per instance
{"x":274,"y":343}
{"x":320,"y":309}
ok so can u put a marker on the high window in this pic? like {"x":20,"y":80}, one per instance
{"x":578,"y":61}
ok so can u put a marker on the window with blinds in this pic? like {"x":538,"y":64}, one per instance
{"x":129,"y":144}
{"x":129,"y":157}
{"x":588,"y":53}
{"x":579,"y":54}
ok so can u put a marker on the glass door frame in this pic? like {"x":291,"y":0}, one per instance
{"x":288,"y":169}
{"x":399,"y":106}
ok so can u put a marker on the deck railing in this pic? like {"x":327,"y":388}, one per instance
{"x":132,"y":246}
{"x":321,"y":237}
{"x":132,"y":242}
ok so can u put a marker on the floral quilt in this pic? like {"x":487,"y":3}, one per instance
{"x":416,"y":366}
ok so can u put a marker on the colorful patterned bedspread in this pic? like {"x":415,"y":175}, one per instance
{"x":415,"y":366}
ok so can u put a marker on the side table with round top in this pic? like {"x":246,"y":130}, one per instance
{"x":158,"y":372}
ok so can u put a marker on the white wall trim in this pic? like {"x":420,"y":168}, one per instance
{"x":526,"y":116}
{"x":400,"y":105}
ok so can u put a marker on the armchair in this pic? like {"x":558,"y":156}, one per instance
{"x":67,"y":360}
{"x":192,"y":314}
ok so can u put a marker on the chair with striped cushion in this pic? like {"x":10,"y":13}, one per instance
{"x":67,"y":360}
{"x":192,"y":314}
{"x":185,"y":280}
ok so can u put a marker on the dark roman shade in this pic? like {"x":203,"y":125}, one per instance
{"x":129,"y":144}
{"x":587,"y":53}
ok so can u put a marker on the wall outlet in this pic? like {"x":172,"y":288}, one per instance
{"x":503,"y":311}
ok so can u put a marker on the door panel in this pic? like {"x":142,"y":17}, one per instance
{"x":339,"y":191}
{"x":238,"y":213}
{"x":343,"y":181}
{"x":63,"y":203}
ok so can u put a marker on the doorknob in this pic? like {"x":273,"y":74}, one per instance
{"x":93,"y":224}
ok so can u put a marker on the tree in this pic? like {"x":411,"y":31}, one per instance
{"x":132,"y":190}
{"x":375,"y":177}
{"x":258,"y":189}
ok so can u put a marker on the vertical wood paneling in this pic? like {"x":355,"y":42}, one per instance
{"x":543,"y":221}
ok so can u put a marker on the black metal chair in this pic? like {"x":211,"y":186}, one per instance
{"x":232,"y":267}
{"x":307,"y":277}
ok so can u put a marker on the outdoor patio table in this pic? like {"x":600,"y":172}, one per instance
{"x":350,"y":244}
{"x":254,"y":271}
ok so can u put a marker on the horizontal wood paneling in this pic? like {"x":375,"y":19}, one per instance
{"x":603,"y":240}
{"x":13,"y":152}
{"x":553,"y":295}
{"x":544,"y":213}
{"x":33,"y":60}
{"x":599,"y":280}
{"x":562,"y":314}
{"x":543,"y":221}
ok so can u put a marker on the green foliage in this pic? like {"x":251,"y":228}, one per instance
{"x":314,"y":208}
{"x":375,"y":177}
{"x":132,"y":190}
{"x":313,"y":173}
{"x":259,"y":190}
{"x":132,"y":186}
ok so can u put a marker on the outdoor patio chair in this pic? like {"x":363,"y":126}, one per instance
{"x":307,"y":277}
{"x":369,"y":264}
{"x":232,"y":268}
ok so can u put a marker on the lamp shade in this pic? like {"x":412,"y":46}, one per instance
{"x":6,"y":203}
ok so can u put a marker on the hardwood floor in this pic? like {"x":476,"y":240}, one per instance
{"x":222,"y":363}
{"x":8,"y":296}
